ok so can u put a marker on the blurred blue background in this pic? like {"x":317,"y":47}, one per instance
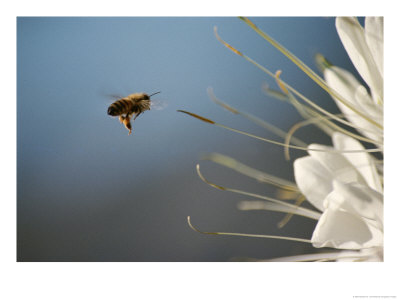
{"x":86,"y":191}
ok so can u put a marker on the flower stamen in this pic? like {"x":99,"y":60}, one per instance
{"x":225,"y":43}
{"x":275,"y":130}
{"x":316,"y":120}
{"x":289,"y":215}
{"x":260,"y":176}
{"x":307,"y":70}
{"x":249,"y":235}
{"x":275,"y":142}
{"x":283,"y":206}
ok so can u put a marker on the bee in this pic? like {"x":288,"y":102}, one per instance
{"x":125,"y":108}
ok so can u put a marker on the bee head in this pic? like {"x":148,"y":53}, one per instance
{"x":112,"y":111}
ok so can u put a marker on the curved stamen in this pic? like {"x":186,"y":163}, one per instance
{"x":290,"y":207}
{"x":275,"y":142}
{"x":249,"y":235}
{"x":289,"y":215}
{"x":315,"y":120}
{"x":277,"y":131}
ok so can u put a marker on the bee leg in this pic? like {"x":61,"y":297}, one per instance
{"x":127,"y":124}
{"x":121,"y":119}
{"x":136,"y":116}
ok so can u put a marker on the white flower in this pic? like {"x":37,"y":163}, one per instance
{"x":346,"y":188}
{"x":365,"y":49}
{"x":343,"y":181}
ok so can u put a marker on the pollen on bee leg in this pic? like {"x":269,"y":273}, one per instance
{"x":121,"y":119}
{"x":127,"y":123}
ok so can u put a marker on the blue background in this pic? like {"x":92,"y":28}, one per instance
{"x":86,"y":191}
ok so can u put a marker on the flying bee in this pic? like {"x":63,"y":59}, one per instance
{"x":125,"y":108}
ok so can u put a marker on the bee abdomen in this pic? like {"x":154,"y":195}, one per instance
{"x":119,"y":107}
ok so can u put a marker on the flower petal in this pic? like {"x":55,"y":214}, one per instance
{"x":313,"y":180}
{"x":353,"y":92}
{"x":374,"y":38}
{"x":362,"y":161}
{"x":348,"y":221}
{"x":365,"y":104}
{"x":359,"y":200}
{"x":336,"y":164}
{"x":353,"y":39}
{"x":340,"y":230}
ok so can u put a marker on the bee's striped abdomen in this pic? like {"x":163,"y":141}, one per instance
{"x":120,"y":107}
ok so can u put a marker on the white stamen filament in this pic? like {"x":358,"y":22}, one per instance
{"x":308,"y":71}
{"x":317,"y":120}
{"x":262,"y":205}
{"x":260,"y":176}
{"x":305,"y":212}
{"x":328,"y":256}
{"x":250,"y":235}
{"x":275,"y":130}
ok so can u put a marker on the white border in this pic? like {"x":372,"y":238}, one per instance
{"x":194,"y":280}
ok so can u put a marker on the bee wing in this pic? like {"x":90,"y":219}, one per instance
{"x":114,"y":96}
{"x":158,"y":104}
